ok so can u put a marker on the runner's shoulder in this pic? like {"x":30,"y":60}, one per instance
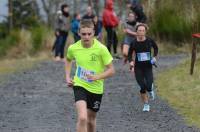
{"x":134,"y":41}
{"x":99,"y":44}
{"x":149,"y":39}
{"x":74,"y":45}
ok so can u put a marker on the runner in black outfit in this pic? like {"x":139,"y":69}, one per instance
{"x":140,"y":48}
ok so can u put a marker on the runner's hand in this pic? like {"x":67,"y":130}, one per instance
{"x":69,"y":82}
{"x":92,"y":77}
{"x":153,"y":60}
{"x":132,"y":64}
{"x":57,"y":33}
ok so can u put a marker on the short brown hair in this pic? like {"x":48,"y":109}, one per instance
{"x":143,"y":25}
{"x":86,"y":23}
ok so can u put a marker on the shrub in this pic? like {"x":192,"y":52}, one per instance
{"x":38,"y":34}
{"x":11,"y":40}
{"x":170,"y":26}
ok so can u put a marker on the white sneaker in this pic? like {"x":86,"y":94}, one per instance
{"x":146,"y":108}
{"x":152,"y":95}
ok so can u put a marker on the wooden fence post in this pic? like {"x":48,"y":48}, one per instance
{"x":194,"y":50}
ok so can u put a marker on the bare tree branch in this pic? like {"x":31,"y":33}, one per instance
{"x":96,"y":7}
{"x":10,"y":14}
{"x":90,"y":2}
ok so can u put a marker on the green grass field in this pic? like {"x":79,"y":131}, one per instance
{"x":182,"y":91}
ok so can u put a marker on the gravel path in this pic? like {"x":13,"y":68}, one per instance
{"x":38,"y":100}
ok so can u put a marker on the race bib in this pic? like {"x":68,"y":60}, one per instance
{"x":82,"y":74}
{"x":145,"y":56}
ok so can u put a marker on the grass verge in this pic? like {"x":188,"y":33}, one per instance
{"x":181,"y":91}
{"x":167,"y":48}
{"x":10,"y":66}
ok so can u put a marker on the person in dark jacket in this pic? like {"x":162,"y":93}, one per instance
{"x":58,"y":16}
{"x":138,"y":9}
{"x":110,"y":22}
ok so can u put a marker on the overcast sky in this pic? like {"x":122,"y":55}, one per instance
{"x":3,"y":9}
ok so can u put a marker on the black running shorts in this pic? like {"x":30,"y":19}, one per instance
{"x":93,"y":100}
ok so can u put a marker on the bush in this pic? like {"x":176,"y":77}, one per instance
{"x":196,"y":28}
{"x":38,"y":35}
{"x":11,"y":40}
{"x":171,"y":26}
{"x":174,"y":20}
{"x":3,"y":30}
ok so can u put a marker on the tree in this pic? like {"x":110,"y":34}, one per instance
{"x":96,"y":7}
{"x":10,"y":14}
{"x":90,"y":2}
{"x":120,"y":6}
{"x":24,"y":14}
{"x":75,"y":5}
{"x":50,"y":7}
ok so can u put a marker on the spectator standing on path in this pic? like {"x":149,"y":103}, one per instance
{"x":130,"y":33}
{"x":62,"y":26}
{"x":75,"y":26}
{"x":93,"y":65}
{"x":89,"y":13}
{"x":58,"y":16}
{"x":110,"y":22}
{"x":141,"y":63}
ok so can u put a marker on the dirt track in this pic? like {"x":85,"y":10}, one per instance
{"x":38,"y":100}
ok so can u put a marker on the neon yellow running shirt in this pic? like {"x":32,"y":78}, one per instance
{"x":89,"y":61}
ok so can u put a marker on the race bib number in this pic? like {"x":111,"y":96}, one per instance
{"x":145,"y":56}
{"x":82,"y":74}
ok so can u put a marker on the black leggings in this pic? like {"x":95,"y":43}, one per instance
{"x":111,"y":39}
{"x":144,"y":77}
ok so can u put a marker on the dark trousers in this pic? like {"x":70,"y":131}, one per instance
{"x":60,"y":45}
{"x":111,"y":39}
{"x":144,"y":77}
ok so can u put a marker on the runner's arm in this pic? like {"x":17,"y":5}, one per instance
{"x":131,"y":32}
{"x":131,"y":57}
{"x":131,"y":52}
{"x":107,"y":73}
{"x":68,"y":65}
{"x":132,"y":62}
{"x":155,"y":48}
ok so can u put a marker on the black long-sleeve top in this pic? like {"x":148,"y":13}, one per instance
{"x":143,"y":53}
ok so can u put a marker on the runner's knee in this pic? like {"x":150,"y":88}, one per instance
{"x":125,"y":53}
{"x":82,"y":120}
{"x":91,"y":122}
{"x":125,"y":49}
{"x":142,"y":90}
